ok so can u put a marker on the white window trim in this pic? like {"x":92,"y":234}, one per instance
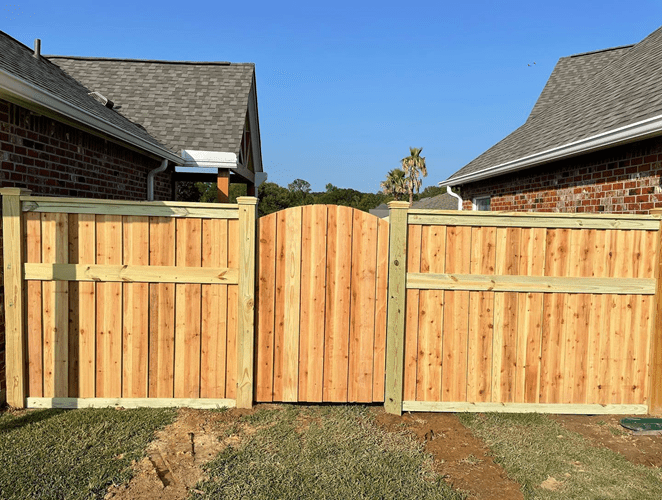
{"x":474,"y":202}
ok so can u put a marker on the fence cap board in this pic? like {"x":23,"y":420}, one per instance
{"x":584,"y":215}
{"x":183,"y":204}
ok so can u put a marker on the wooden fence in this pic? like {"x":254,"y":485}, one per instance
{"x":522,"y":312}
{"x":143,"y":303}
{"x":132,"y":303}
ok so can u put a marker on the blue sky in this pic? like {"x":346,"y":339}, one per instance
{"x":344,"y":88}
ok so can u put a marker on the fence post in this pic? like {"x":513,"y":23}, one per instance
{"x":15,"y":343}
{"x":246,"y":316}
{"x":395,"y":327}
{"x":655,"y":375}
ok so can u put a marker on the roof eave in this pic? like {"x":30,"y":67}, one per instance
{"x":622,"y":135}
{"x":30,"y":92}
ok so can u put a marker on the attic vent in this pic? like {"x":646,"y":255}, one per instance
{"x":102,"y":99}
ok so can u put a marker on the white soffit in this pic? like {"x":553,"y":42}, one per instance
{"x":206,"y":162}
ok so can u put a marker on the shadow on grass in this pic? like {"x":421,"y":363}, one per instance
{"x":9,"y":423}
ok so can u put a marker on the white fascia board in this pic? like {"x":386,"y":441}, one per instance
{"x":30,"y":92}
{"x":209,"y":162}
{"x":622,"y":135}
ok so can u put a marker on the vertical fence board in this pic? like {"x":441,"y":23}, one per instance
{"x":504,"y":371}
{"x":362,"y":326}
{"x":187,"y":311}
{"x":34,"y":309}
{"x":56,"y":307}
{"x":431,"y":317}
{"x":162,"y":310}
{"x":456,"y":318}
{"x":414,"y":246}
{"x":313,"y":303}
{"x":481,"y":317}
{"x":87,"y":309}
{"x":109,"y":310}
{"x":381,"y":301}
{"x":338,"y":298}
{"x":233,"y":302}
{"x":135,"y":347}
{"x":213,"y":335}
{"x":74,"y":319}
{"x":265,"y":308}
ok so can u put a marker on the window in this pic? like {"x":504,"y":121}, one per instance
{"x":482,"y":204}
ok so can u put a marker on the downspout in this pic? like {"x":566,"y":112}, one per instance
{"x":455,"y":195}
{"x":150,"y":179}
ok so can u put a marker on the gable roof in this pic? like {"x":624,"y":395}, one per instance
{"x":612,"y":99}
{"x":37,"y":80}
{"x":186,"y":105}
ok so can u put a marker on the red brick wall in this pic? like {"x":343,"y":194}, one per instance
{"x":625,"y":179}
{"x":54,"y":159}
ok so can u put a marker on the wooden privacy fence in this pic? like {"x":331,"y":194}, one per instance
{"x":133,"y":303}
{"x":523,"y":312}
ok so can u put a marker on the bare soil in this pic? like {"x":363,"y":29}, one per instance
{"x":459,"y":456}
{"x":606,"y":430}
{"x":173,"y":465}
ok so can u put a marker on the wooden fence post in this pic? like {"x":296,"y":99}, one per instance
{"x":395,"y":328}
{"x":15,"y":343}
{"x":246,"y":316}
{"x":655,"y":367}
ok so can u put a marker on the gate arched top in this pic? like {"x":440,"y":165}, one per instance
{"x":357,"y":214}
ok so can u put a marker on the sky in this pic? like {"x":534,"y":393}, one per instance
{"x":346,"y":87}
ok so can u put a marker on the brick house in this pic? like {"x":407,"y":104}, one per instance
{"x":592,"y":143}
{"x":61,"y":137}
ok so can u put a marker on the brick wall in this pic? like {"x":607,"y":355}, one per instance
{"x":625,"y":179}
{"x":54,"y":159}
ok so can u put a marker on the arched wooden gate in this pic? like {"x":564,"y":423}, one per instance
{"x":321,"y":305}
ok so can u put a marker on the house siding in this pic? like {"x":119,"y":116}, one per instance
{"x":624,"y":179}
{"x":54,"y":159}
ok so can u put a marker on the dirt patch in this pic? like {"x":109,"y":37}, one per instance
{"x":173,"y":465}
{"x":459,"y":456}
{"x":606,"y":430}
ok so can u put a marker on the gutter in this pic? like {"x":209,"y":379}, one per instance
{"x":26,"y":90}
{"x":150,"y":179}
{"x":622,"y":135}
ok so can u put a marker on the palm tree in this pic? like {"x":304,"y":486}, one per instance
{"x":414,"y":165}
{"x":394,"y":184}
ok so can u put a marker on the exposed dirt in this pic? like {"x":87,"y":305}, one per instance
{"x":173,"y":465}
{"x":459,"y":456}
{"x":606,"y":430}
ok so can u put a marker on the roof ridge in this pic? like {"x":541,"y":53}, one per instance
{"x":150,"y":61}
{"x":580,"y":54}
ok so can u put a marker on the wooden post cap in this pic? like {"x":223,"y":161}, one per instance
{"x":14,"y":191}
{"x":398,"y":204}
{"x":247,"y":200}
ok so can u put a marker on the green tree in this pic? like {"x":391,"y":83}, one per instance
{"x":413,"y":166}
{"x":394,"y":185}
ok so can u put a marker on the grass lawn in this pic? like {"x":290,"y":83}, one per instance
{"x":337,"y":452}
{"x":533,"y":448}
{"x":72,"y":453}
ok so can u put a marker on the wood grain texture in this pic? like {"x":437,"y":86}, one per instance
{"x":35,"y":381}
{"x":233,"y":312}
{"x":338,"y":298}
{"x":188,"y":310}
{"x":313,"y":303}
{"x":135,"y":341}
{"x":213,"y":335}
{"x":162,"y":310}
{"x":265,"y":308}
{"x":381,"y":302}
{"x":86,"y":309}
{"x":109,"y":310}
{"x":412,"y":314}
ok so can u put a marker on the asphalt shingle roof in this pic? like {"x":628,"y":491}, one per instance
{"x":614,"y":92}
{"x":17,"y":59}
{"x":443,"y":201}
{"x":186,"y":105}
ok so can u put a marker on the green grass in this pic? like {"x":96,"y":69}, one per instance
{"x":322,"y":453}
{"x":72,"y":453}
{"x":533,"y":447}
